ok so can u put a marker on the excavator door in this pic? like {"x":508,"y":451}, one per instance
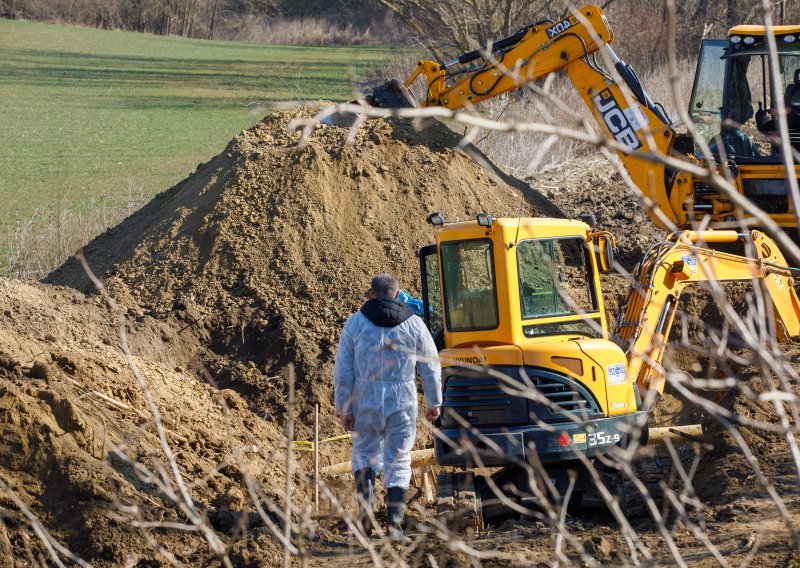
{"x":705,"y":107}
{"x":431,"y":293}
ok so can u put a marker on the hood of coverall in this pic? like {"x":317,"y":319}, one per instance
{"x":386,"y":312}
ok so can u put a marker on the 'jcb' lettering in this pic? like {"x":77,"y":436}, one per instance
{"x":559,"y":28}
{"x":616,"y":120}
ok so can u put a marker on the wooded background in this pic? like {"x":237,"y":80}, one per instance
{"x":442,"y":27}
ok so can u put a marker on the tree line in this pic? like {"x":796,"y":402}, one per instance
{"x":443,"y":27}
{"x":207,"y":19}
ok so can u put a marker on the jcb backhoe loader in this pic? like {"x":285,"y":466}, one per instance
{"x":731,"y":73}
{"x":530,"y":372}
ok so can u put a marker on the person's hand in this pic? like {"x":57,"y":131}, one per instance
{"x":347,"y":422}
{"x":431,"y":414}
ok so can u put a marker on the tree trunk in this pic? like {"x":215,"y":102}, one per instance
{"x":507,"y":18}
{"x":733,"y":17}
{"x":185,"y":18}
{"x":192,"y":13}
{"x":213,"y":20}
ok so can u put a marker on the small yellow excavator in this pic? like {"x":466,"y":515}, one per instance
{"x":529,"y":370}
{"x":731,"y":73}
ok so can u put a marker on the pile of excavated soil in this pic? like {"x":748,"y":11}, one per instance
{"x":271,"y":245}
{"x":78,"y":447}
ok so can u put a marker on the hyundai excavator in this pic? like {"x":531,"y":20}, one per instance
{"x":731,"y":73}
{"x":530,"y":372}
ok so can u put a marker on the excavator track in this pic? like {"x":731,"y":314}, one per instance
{"x":457,"y":503}
{"x":631,"y":501}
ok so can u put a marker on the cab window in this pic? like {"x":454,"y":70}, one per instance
{"x":705,"y":107}
{"x":470,"y":294}
{"x":555,"y":278}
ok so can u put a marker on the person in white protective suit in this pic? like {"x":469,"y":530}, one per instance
{"x":375,"y":392}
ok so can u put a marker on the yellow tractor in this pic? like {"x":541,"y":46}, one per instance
{"x":530,"y":372}
{"x":732,"y":74}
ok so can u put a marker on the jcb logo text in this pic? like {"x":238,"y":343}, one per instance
{"x":622,"y":125}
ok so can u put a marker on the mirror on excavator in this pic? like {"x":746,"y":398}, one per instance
{"x":605,"y":246}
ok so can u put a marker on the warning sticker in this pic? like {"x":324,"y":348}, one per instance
{"x":579,"y":438}
{"x":617,"y":374}
{"x":636,"y":117}
{"x":690,"y":261}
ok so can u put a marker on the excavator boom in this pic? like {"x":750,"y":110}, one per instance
{"x":539,"y":50}
{"x":644,"y":325}
{"x":627,"y":115}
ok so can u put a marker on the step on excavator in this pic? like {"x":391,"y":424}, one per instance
{"x":731,"y":74}
{"x":530,"y":372}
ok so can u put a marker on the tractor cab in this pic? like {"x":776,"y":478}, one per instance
{"x":734,"y":106}
{"x":516,"y":309}
{"x":734,"y":99}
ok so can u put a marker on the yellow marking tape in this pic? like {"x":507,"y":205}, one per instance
{"x":307,"y":446}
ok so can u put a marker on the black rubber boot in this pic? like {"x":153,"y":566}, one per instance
{"x":395,"y":511}
{"x":365,"y":489}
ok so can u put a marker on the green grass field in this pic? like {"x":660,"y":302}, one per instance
{"x":93,"y":116}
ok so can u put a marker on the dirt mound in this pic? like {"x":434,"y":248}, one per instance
{"x":77,"y":439}
{"x":271,"y":245}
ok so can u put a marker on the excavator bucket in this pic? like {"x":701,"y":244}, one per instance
{"x":391,"y":94}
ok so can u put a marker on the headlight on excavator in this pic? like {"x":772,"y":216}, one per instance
{"x":484,"y":220}
{"x":436,"y":219}
{"x":791,"y":38}
{"x":736,"y":40}
{"x":749,"y":40}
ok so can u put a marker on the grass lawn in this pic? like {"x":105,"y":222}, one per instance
{"x":93,"y":116}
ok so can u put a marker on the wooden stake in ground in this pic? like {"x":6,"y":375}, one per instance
{"x":316,"y":458}
{"x":287,"y":531}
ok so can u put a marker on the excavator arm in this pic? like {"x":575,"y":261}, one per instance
{"x":644,"y":324}
{"x":624,"y":112}
{"x":531,"y":54}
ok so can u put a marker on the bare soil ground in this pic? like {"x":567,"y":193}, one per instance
{"x":236,"y":281}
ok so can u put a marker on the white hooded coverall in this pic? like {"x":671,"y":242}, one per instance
{"x":375,"y":381}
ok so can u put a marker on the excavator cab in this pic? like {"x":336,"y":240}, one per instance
{"x":734,"y":106}
{"x":733,"y":100}
{"x":528,"y":371}
{"x":516,"y":308}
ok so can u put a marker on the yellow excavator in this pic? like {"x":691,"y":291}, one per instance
{"x":731,"y":74}
{"x":530,"y":372}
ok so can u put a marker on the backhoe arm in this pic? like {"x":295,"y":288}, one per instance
{"x":632,"y":123}
{"x":625,"y":114}
{"x":644,"y":325}
{"x":531,"y":54}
